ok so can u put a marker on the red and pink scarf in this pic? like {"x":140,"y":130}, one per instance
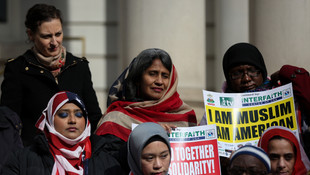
{"x":169,"y":109}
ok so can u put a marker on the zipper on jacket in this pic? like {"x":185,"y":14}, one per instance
{"x":56,"y":78}
{"x":74,"y":63}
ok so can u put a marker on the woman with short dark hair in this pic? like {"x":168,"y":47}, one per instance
{"x":33,"y":78}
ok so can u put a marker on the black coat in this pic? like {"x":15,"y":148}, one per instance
{"x":28,"y":86}
{"x":37,"y":159}
{"x":10,"y":127}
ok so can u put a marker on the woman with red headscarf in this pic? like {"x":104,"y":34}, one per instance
{"x":145,"y":92}
{"x":65,"y":147}
{"x":285,"y":151}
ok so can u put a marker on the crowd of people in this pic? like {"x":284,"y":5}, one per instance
{"x":63,"y":130}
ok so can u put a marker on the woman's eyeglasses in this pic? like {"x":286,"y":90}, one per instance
{"x":240,"y":73}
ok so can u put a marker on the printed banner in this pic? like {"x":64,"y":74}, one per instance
{"x":241,"y":118}
{"x":194,"y":151}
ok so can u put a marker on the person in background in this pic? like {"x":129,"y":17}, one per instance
{"x":285,"y":151}
{"x":33,"y":78}
{"x":250,"y":160}
{"x":66,"y":145}
{"x":145,"y":92}
{"x":245,"y":71}
{"x":149,"y":150}
{"x":10,"y":129}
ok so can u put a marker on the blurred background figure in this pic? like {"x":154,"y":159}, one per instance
{"x":10,"y":129}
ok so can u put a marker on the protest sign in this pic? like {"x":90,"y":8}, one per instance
{"x":194,"y":151}
{"x":241,"y":118}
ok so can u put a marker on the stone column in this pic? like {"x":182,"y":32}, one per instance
{"x":231,"y":26}
{"x":281,"y":31}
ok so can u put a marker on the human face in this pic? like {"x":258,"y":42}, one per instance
{"x":282,"y":156}
{"x":250,"y":80}
{"x":155,"y":159}
{"x":69,"y":121}
{"x":48,"y":38}
{"x":247,"y":164}
{"x":155,"y":80}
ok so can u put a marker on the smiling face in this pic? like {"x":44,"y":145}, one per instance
{"x":244,"y":78}
{"x":282,"y":156}
{"x":155,"y":158}
{"x":48,"y":37}
{"x":154,"y":82}
{"x":69,"y":121}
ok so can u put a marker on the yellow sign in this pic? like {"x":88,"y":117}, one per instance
{"x":247,"y":124}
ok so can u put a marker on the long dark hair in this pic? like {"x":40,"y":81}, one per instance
{"x":40,"y":13}
{"x":143,"y":61}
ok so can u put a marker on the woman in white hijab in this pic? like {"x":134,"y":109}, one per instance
{"x":149,"y":150}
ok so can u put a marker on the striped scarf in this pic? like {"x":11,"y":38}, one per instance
{"x":169,"y":109}
{"x":68,"y":153}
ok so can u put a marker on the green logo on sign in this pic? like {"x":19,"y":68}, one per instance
{"x":226,"y":101}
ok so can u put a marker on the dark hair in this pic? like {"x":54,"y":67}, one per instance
{"x":40,"y":13}
{"x":140,"y":64}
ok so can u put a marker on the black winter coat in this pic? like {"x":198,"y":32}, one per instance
{"x":10,"y":127}
{"x":28,"y":86}
{"x":37,"y":159}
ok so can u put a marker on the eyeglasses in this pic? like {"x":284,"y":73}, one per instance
{"x":249,"y":171}
{"x":240,"y":73}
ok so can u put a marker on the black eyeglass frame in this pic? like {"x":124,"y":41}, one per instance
{"x":238,"y":74}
